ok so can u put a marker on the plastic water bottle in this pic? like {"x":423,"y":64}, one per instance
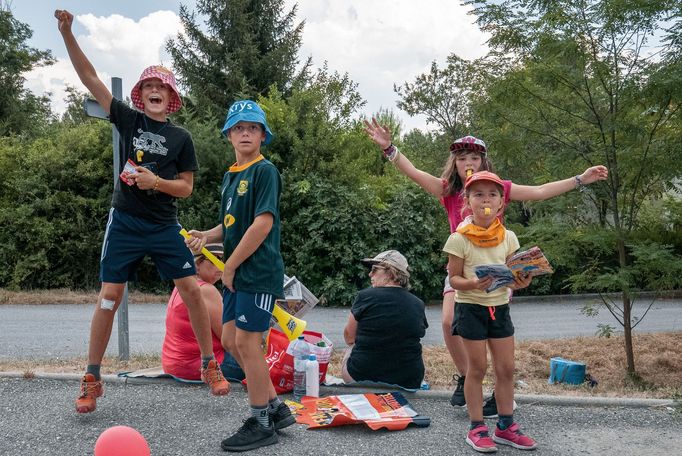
{"x":299,"y":350}
{"x":312,"y":377}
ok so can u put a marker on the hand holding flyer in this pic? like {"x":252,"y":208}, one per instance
{"x":128,"y":169}
{"x":529,"y":262}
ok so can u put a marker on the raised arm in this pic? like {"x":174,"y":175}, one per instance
{"x":86,"y":72}
{"x":381,"y":135}
{"x":552,"y":189}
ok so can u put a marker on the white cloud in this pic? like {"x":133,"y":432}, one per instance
{"x":116,"y":46}
{"x":382,"y":42}
{"x":378,"y":43}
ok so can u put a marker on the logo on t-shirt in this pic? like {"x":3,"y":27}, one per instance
{"x":243,"y":187}
{"x":228,"y":221}
{"x":150,"y":142}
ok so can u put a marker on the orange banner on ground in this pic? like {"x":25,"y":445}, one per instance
{"x":389,"y":411}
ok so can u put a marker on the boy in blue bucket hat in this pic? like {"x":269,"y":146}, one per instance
{"x":254,"y":270}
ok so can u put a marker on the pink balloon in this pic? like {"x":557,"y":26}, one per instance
{"x":120,"y":441}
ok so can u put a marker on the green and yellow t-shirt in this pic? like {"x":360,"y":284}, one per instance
{"x":248,"y":191}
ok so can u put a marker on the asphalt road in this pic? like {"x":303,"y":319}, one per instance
{"x":37,"y":417}
{"x":50,"y":331}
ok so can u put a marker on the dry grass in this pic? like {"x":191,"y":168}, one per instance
{"x":658,"y":361}
{"x":77,"y":365}
{"x":66,"y":296}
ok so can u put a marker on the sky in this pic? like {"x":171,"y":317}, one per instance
{"x":379,"y":43}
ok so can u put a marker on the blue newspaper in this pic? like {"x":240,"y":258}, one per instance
{"x":529,"y":262}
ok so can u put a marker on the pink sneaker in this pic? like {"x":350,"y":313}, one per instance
{"x":479,"y":439}
{"x":514,"y":437}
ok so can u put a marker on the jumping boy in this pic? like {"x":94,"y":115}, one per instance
{"x":254,"y":270}
{"x":157,"y":166}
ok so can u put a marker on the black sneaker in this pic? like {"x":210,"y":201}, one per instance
{"x":457,"y":399}
{"x":282,"y":417}
{"x":250,"y":436}
{"x":490,"y":407}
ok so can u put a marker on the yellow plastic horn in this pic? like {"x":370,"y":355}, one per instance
{"x":291,"y":326}
{"x":469,"y":172}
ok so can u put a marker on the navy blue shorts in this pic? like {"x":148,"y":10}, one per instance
{"x":128,"y":239}
{"x":250,"y":311}
{"x":477,"y":322}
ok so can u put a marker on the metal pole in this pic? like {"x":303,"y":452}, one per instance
{"x":122,"y":313}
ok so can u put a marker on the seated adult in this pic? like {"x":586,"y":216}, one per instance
{"x":180,"y":354}
{"x":385,"y":327}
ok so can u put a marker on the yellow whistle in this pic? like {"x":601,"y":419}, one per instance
{"x":470,"y":172}
{"x":487,"y":211}
{"x":140,"y":153}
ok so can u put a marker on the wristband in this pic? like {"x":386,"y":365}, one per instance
{"x":579,"y":183}
{"x":156,"y":184}
{"x":391,"y":152}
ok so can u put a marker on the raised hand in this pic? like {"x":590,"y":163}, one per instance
{"x":594,"y":174}
{"x":65,"y":20}
{"x":378,"y":133}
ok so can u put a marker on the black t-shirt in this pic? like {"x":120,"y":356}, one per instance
{"x":391,"y":323}
{"x":164,"y":148}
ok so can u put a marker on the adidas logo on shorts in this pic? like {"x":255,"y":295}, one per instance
{"x":242,"y":318}
{"x":187,"y":265}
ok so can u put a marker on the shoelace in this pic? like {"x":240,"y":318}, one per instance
{"x":213,"y":375}
{"x":88,"y":388}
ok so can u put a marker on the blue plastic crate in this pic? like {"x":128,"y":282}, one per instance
{"x":566,"y":371}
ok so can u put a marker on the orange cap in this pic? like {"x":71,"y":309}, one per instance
{"x":481,"y":176}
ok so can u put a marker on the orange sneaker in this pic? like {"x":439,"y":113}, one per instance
{"x":213,"y":377}
{"x":91,"y":389}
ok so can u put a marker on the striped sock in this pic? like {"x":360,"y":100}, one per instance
{"x":261,"y":414}
{"x":274,"y":403}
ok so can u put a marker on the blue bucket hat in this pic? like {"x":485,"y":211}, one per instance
{"x":247,"y":111}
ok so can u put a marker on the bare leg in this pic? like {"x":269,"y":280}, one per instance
{"x":453,"y":343}
{"x":103,"y":321}
{"x":229,"y":340}
{"x":198,"y":315}
{"x":477,"y":361}
{"x":252,"y":360}
{"x":502,"y":351}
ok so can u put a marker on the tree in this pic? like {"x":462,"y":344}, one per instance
{"x":585,"y":87}
{"x":20,"y":110}
{"x":442,"y":95}
{"x":249,"y":46}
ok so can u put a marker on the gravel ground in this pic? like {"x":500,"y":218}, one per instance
{"x":37,"y":417}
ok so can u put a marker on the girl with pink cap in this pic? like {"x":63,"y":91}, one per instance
{"x":468,"y":155}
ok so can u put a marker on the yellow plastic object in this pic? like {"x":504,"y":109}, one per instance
{"x":487,"y":211}
{"x":469,"y":172}
{"x":291,"y":326}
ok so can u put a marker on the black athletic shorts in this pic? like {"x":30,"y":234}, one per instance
{"x":477,"y":322}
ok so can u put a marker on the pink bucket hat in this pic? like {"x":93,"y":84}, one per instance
{"x":167,"y":77}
